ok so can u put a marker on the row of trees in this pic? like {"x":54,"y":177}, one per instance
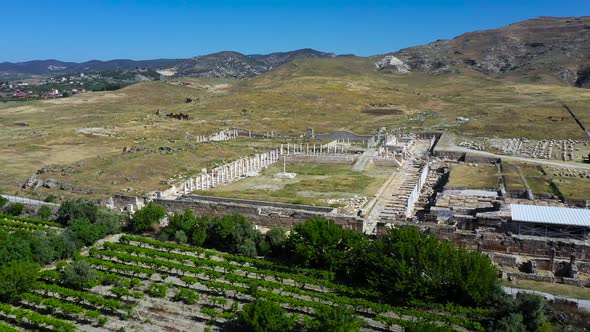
{"x":231,"y":233}
{"x":262,"y":315}
{"x":22,"y":252}
{"x":403,"y":266}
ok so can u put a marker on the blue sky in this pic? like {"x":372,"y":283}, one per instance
{"x":85,"y":30}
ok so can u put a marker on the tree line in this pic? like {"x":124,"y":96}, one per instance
{"x":404,"y":267}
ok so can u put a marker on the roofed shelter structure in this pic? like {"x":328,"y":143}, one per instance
{"x":549,"y":221}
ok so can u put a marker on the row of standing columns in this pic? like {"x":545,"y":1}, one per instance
{"x":231,"y":171}
{"x":223,"y":135}
{"x":313,"y":149}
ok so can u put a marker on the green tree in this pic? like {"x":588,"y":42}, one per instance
{"x":233,"y":233}
{"x":275,"y":238}
{"x":73,"y":210}
{"x":532,"y":309}
{"x":146,"y":217}
{"x":15,"y":209}
{"x":15,"y":247}
{"x":42,"y":248}
{"x":334,"y":319}
{"x":3,"y":201}
{"x":79,"y":274}
{"x":17,"y":277}
{"x":510,"y":323}
{"x":86,"y":232}
{"x":264,"y":316}
{"x":180,"y":237}
{"x":44,"y":212}
{"x":247,"y":248}
{"x":109,"y":221}
{"x":317,"y":243}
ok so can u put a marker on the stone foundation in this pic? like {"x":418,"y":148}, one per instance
{"x":265,"y":214}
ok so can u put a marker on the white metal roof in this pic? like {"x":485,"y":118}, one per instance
{"x":550,"y":215}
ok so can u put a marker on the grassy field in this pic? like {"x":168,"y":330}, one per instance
{"x":575,"y":188}
{"x":471,"y":177}
{"x":313,"y":183}
{"x":326,"y":94}
{"x":551,"y":288}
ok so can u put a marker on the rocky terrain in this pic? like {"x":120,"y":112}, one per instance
{"x":544,"y":49}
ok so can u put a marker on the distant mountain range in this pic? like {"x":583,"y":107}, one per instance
{"x":221,"y":64}
{"x":545,"y":49}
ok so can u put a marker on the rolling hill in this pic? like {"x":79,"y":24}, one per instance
{"x":221,"y":64}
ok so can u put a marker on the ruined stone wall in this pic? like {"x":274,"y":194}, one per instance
{"x":250,"y":202}
{"x":473,"y":158}
{"x":583,"y":267}
{"x":543,"y":264}
{"x":448,"y":154}
{"x":343,"y":135}
{"x":259,"y":213}
{"x":577,"y":203}
{"x":504,"y":260}
{"x":530,"y":276}
{"x":347,"y":160}
{"x":529,"y":246}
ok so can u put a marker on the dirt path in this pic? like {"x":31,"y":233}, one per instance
{"x":363,"y":161}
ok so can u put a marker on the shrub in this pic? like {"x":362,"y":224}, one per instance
{"x":146,"y":217}
{"x":187,"y":296}
{"x":17,"y":277}
{"x":15,"y":209}
{"x":336,"y":319}
{"x":79,"y":274}
{"x":264,"y":316}
{"x":3,"y":201}
{"x":158,"y":290}
{"x":51,"y":198}
{"x":44,"y":212}
{"x":180,"y":237}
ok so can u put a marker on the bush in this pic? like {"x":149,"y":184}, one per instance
{"x":264,"y":316}
{"x":187,"y":296}
{"x":51,"y":198}
{"x":3,"y":201}
{"x":180,"y":237}
{"x":336,"y":319}
{"x":44,"y":212}
{"x":15,"y":209}
{"x":70,"y":211}
{"x":16,"y":278}
{"x":158,"y":290}
{"x":86,"y":232}
{"x":146,"y":217}
{"x":80,"y":275}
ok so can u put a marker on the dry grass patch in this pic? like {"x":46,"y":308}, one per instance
{"x":482,"y":176}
